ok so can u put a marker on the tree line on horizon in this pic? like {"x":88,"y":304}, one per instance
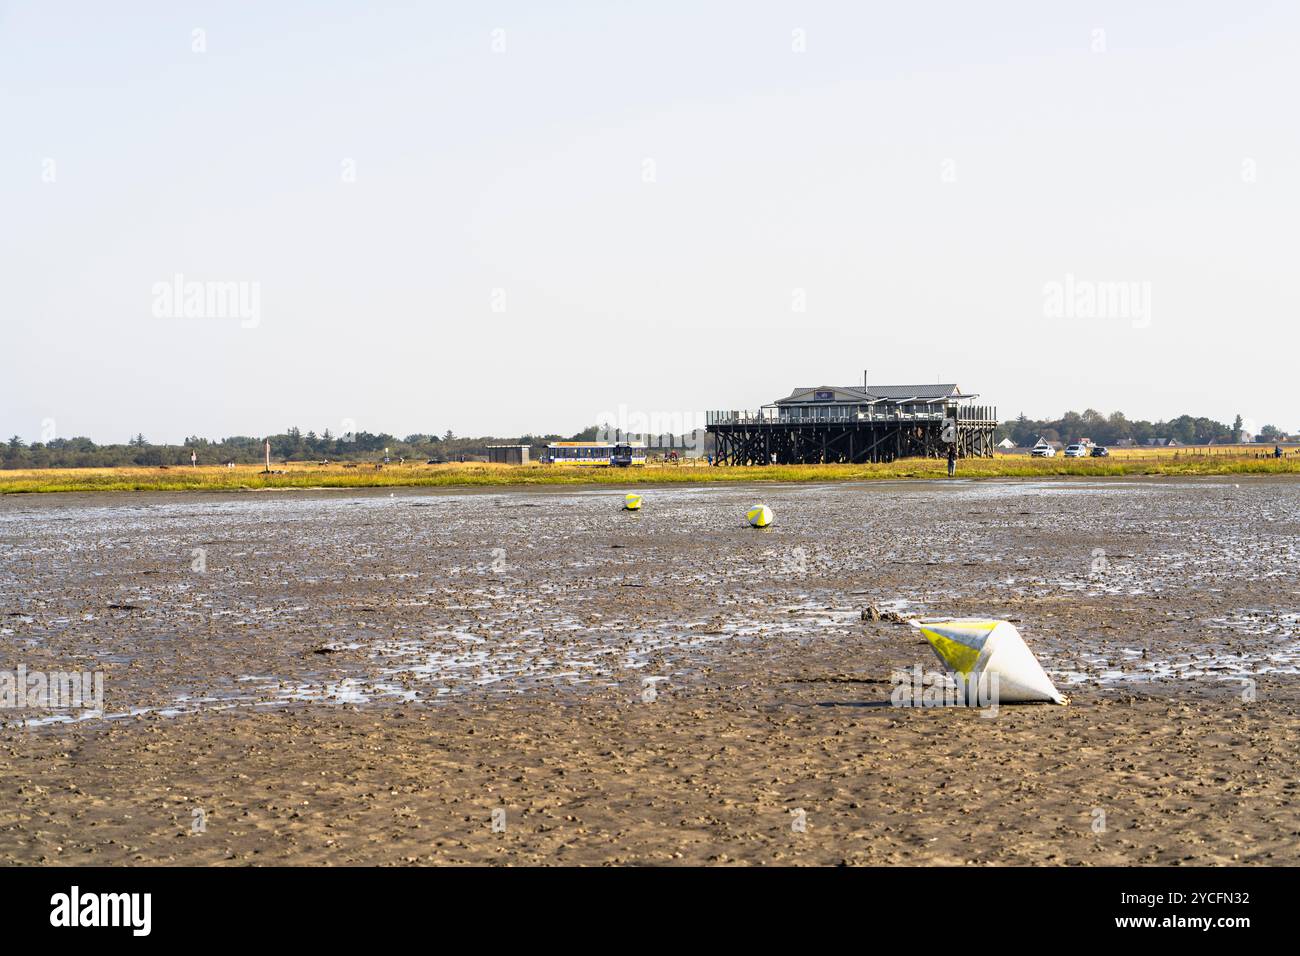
{"x":296,"y":445}
{"x":290,"y":445}
{"x":1115,"y":428}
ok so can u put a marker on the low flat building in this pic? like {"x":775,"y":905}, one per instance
{"x":508,"y":454}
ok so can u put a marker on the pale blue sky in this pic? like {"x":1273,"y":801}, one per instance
{"x":919,"y":174}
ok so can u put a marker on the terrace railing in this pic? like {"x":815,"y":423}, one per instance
{"x":982,"y":414}
{"x":844,"y":415}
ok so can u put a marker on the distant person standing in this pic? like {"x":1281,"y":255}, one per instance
{"x":1277,"y":451}
{"x":952,"y":460}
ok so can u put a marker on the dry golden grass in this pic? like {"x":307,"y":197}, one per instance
{"x":1146,"y":461}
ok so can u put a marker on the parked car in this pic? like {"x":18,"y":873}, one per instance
{"x":1043,"y":451}
{"x":1077,"y":451}
{"x":1100,"y":451}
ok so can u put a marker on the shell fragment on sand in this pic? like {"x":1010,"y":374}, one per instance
{"x":760,"y":516}
{"x":979,"y":648}
{"x":632,"y":503}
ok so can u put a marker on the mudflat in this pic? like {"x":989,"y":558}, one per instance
{"x":539,"y":677}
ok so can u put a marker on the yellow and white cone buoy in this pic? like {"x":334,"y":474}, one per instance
{"x":977,"y":647}
{"x":760,"y":516}
{"x":632,"y":503}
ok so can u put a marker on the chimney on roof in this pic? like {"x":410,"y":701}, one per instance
{"x":864,"y":379}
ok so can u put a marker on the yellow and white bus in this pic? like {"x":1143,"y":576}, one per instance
{"x":609,"y":454}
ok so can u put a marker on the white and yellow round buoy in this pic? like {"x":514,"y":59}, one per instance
{"x":760,"y":516}
{"x":632,"y":503}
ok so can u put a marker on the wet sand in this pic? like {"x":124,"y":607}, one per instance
{"x":359,"y":678}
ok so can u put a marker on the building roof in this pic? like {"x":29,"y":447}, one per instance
{"x":877,"y":393}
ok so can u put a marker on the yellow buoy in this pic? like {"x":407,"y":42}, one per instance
{"x":760,"y":516}
{"x":632,"y":503}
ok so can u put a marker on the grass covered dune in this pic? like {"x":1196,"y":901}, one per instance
{"x":251,"y":477}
